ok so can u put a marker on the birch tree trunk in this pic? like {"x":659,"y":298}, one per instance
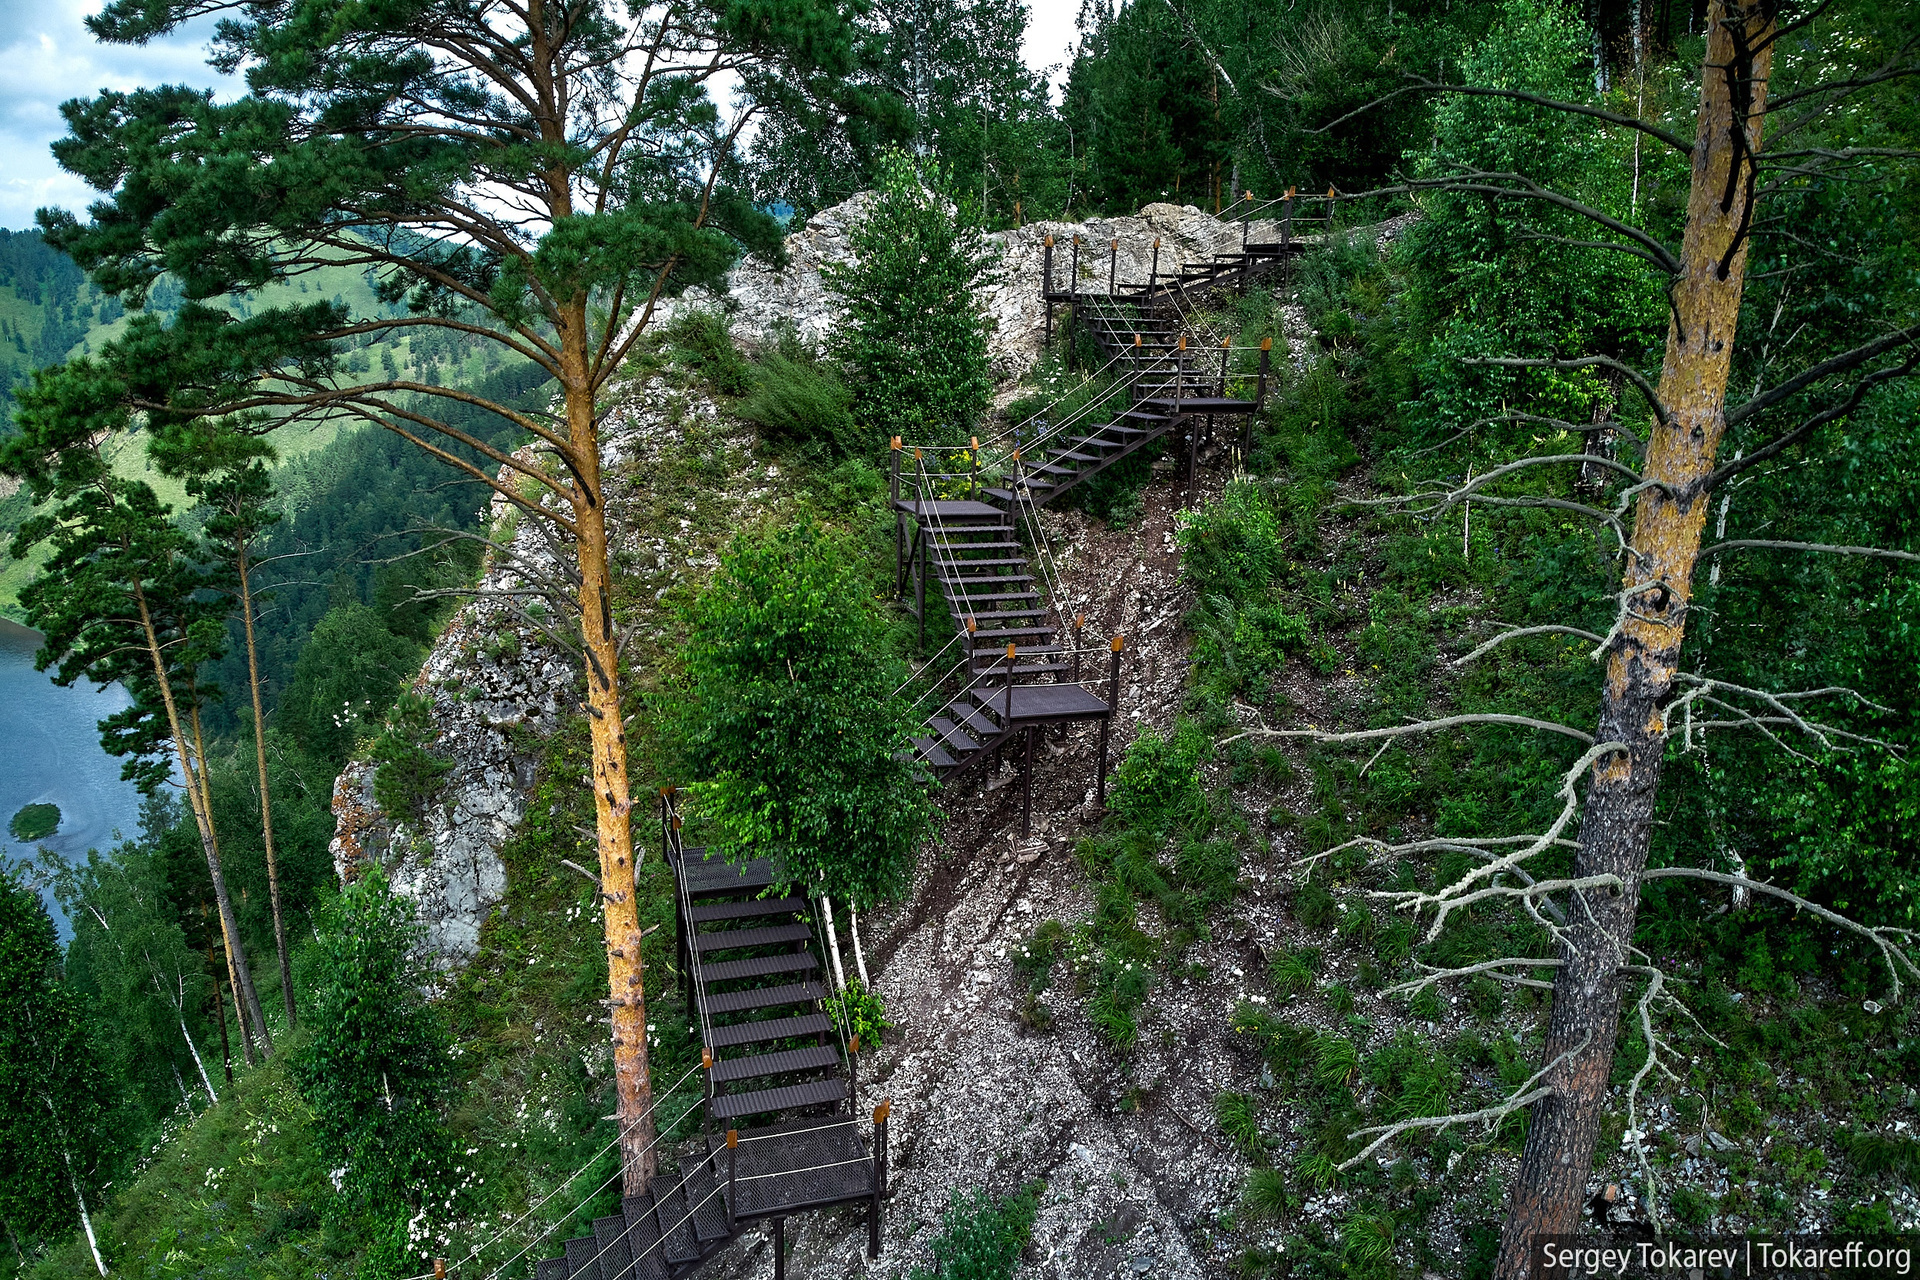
{"x":1564,"y":1127}
{"x":244,"y":989}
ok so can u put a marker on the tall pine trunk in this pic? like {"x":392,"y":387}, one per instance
{"x":1551,"y":1184}
{"x":266,"y":798}
{"x":243,"y":971}
{"x":197,"y":802}
{"x":612,"y":801}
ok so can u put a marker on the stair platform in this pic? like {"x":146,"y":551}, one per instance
{"x":1048,"y":703}
{"x":797,"y":1165}
{"x":945,"y":509}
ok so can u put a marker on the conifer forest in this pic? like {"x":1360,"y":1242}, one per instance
{"x":962,"y":639}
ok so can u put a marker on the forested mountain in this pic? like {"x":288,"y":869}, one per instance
{"x":1511,"y":674}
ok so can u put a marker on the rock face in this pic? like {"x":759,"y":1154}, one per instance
{"x":492,"y":679}
{"x":761,"y":300}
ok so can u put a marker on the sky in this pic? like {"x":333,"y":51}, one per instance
{"x":48,"y":56}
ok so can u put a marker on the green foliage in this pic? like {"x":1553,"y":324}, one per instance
{"x":981,"y":1236}
{"x":1157,"y":785}
{"x":1238,"y":1115}
{"x":53,"y":1096}
{"x":1293,"y":970}
{"x":859,"y":1013}
{"x":702,"y":339}
{"x":915,"y":338}
{"x":798,"y":399}
{"x":408,"y":772}
{"x":377,"y":1069}
{"x":790,"y":722}
{"x":1267,"y":1197}
{"x":348,"y":674}
{"x":34,"y":822}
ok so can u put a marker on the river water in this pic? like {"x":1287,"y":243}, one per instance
{"x":50,"y":754}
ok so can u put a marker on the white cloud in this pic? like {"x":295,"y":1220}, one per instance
{"x":1050,"y":36}
{"x":48,"y":56}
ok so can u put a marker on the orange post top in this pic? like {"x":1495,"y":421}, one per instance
{"x":1079,"y":621}
{"x":1249,"y":195}
{"x":1156,"y":242}
{"x":1290,"y":191}
{"x":881,"y":1112}
{"x":894,"y":442}
{"x":1136,"y":339}
{"x":975,"y":442}
{"x":1049,"y":242}
{"x":1266,"y":344}
{"x":1330,"y":194}
{"x":1183,"y":342}
{"x":971,"y":624}
{"x":706,"y":1059}
{"x":1226,"y":342}
{"x":1118,"y":641}
{"x":1010,"y":651}
{"x":733,"y":1139}
{"x":439,"y":1269}
{"x":855,"y":1046}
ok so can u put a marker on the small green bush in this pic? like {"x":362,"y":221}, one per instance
{"x":1158,"y":783}
{"x":1238,"y":1115}
{"x":1232,"y":547}
{"x":981,"y":1237}
{"x":804,"y":401}
{"x":859,"y":1013}
{"x":1266,"y":1196}
{"x":703,"y":341}
{"x":1314,"y":906}
{"x":408,"y":773}
{"x":1293,"y":971}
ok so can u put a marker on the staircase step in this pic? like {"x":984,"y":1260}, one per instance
{"x":933,"y":753}
{"x":813,"y":1093}
{"x":731,"y":939}
{"x":993,"y":595}
{"x":582,"y":1258}
{"x":951,"y":735}
{"x":707,"y":1193}
{"x":550,"y":1269}
{"x":979,"y":564}
{"x":759,"y":966}
{"x":643,"y":1235}
{"x":769,"y":1029}
{"x":708,"y":912}
{"x":762,"y":997}
{"x":976,"y":724}
{"x":616,"y":1259}
{"x":711,"y":879}
{"x":1000,"y":633}
{"x":997,"y":579}
{"x":778,"y":1063}
{"x":1003,"y":615}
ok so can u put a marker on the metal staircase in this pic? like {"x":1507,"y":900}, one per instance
{"x":781,"y":1135}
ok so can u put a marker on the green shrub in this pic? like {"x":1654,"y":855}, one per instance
{"x":981,"y":1237}
{"x":860,"y":1014}
{"x":1158,"y":783}
{"x":1293,"y":971}
{"x":1314,"y":906}
{"x":804,"y":401}
{"x":1876,"y":1153}
{"x":408,"y":773}
{"x":1238,"y":1115}
{"x":703,"y":341}
{"x":1231,"y":547}
{"x":1267,"y":1197}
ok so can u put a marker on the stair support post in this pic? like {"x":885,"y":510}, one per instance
{"x":1113,"y":264}
{"x":920,"y":587}
{"x":1153,"y":276}
{"x":1106,"y":725}
{"x":779,"y":1249}
{"x":733,"y":1180}
{"x":1286,"y":224}
{"x":1026,"y":786}
{"x":1046,"y":290}
{"x":880,"y":1114}
{"x":899,"y":518}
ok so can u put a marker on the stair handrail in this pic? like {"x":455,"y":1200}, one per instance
{"x":590,"y":1197}
{"x":696,"y":981}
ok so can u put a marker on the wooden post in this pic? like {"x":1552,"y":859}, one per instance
{"x":733,"y":1177}
{"x":1026,"y":788}
{"x":880,"y":1115}
{"x":1106,"y":724}
{"x":1046,"y":290}
{"x":439,"y":1269}
{"x":1260,"y":389}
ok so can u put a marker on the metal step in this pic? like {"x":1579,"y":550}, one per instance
{"x":813,"y":1093}
{"x":768,"y":1029}
{"x":732,"y":939}
{"x":759,"y":966}
{"x":763,"y":997}
{"x":951,"y":735}
{"x":616,"y":1259}
{"x":933,"y":753}
{"x":778,"y":1063}
{"x":709,"y":912}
